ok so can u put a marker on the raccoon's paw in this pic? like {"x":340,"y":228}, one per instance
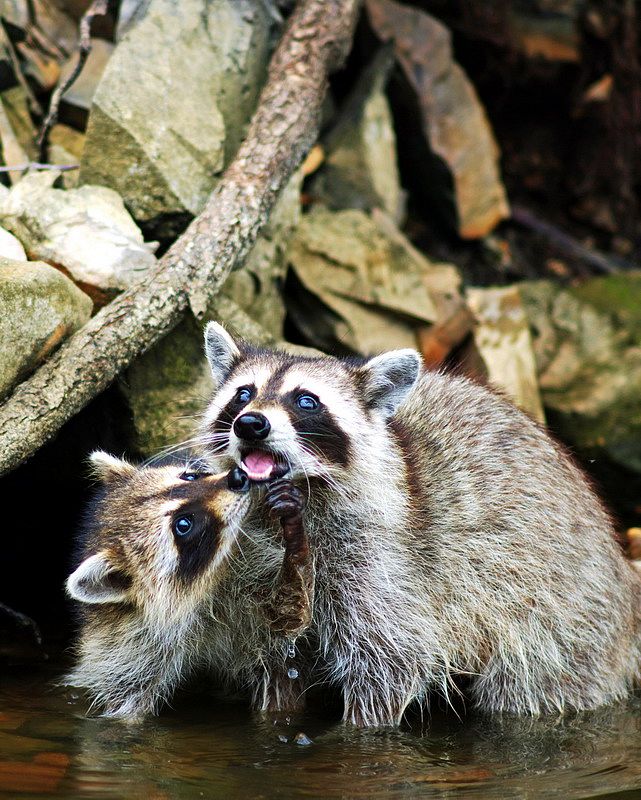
{"x":284,"y":500}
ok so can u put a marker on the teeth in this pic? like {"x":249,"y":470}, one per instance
{"x":254,"y":475}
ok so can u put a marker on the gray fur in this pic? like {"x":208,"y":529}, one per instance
{"x":461,"y":542}
{"x":143,"y":628}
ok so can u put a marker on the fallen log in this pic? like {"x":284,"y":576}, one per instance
{"x":283,"y":128}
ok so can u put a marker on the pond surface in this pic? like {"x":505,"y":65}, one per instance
{"x":210,"y":747}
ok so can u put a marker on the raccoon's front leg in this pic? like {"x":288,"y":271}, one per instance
{"x":378,"y":678}
{"x":276,"y":692}
{"x":290,"y":607}
{"x":368,"y":705}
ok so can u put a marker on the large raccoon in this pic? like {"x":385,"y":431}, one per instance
{"x":158,"y":543}
{"x":452,"y":537}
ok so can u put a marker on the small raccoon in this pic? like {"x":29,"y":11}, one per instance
{"x":158,"y":544}
{"x":452,"y":540}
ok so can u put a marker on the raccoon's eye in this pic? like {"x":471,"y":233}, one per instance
{"x":183,"y":525}
{"x":193,"y":476}
{"x":243,"y":395}
{"x":307,"y":402}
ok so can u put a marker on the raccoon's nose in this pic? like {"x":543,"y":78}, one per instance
{"x":252,"y":427}
{"x":238,"y":481}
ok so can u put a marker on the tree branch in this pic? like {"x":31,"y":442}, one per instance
{"x":97,"y":8}
{"x":284,"y":127}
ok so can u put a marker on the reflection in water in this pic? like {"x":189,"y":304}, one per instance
{"x":209,"y":747}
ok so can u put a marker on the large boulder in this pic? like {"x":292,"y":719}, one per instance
{"x":360,"y":287}
{"x":87,"y":230}
{"x":39,"y":308}
{"x":174,"y":101}
{"x":587,"y":343}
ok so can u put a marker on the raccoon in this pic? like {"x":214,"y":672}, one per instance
{"x":159,"y":541}
{"x":454,"y":542}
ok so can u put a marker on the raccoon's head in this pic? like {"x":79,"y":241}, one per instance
{"x":273,"y":413}
{"x":157,"y":537}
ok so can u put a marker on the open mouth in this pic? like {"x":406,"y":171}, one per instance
{"x":263,"y":465}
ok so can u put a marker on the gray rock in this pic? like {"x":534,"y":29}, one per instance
{"x":360,"y":169}
{"x":86,"y":230}
{"x":17,"y":133}
{"x":587,"y":345}
{"x":130,"y":13}
{"x":10,"y":247}
{"x":39,"y":308}
{"x":174,"y":102}
{"x":361,"y":286}
{"x":502,"y":337}
{"x":65,"y":148}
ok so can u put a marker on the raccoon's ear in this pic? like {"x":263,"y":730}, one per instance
{"x":221,"y":351}
{"x":98,"y":580}
{"x":388,"y":379}
{"x":109,"y":469}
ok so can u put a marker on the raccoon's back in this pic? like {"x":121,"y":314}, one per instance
{"x":489,"y":484}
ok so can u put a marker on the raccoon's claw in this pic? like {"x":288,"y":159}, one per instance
{"x":284,"y":500}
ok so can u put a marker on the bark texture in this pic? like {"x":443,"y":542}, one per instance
{"x":284,"y":127}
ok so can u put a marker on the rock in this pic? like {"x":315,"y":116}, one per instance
{"x":587,"y":345}
{"x":87,"y":230}
{"x":10,"y":247}
{"x":65,"y":147}
{"x":166,"y":387}
{"x":360,"y":169}
{"x":462,"y":162}
{"x":67,"y":140}
{"x":17,"y":133}
{"x":502,"y":337}
{"x":174,"y":101}
{"x":39,"y":308}
{"x":359,"y":288}
{"x":129,"y":15}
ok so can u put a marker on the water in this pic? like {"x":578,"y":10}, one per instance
{"x":207,"y":746}
{"x":292,"y":671}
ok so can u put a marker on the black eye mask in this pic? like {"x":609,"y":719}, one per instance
{"x":197,"y":537}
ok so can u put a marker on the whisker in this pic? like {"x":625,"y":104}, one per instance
{"x":169,"y":450}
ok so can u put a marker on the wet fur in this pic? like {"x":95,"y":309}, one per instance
{"x":458,"y":541}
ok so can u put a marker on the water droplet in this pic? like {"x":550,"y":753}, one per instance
{"x":292,"y":673}
{"x":282,"y":738}
{"x":291,"y":649}
{"x":302,"y":739}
